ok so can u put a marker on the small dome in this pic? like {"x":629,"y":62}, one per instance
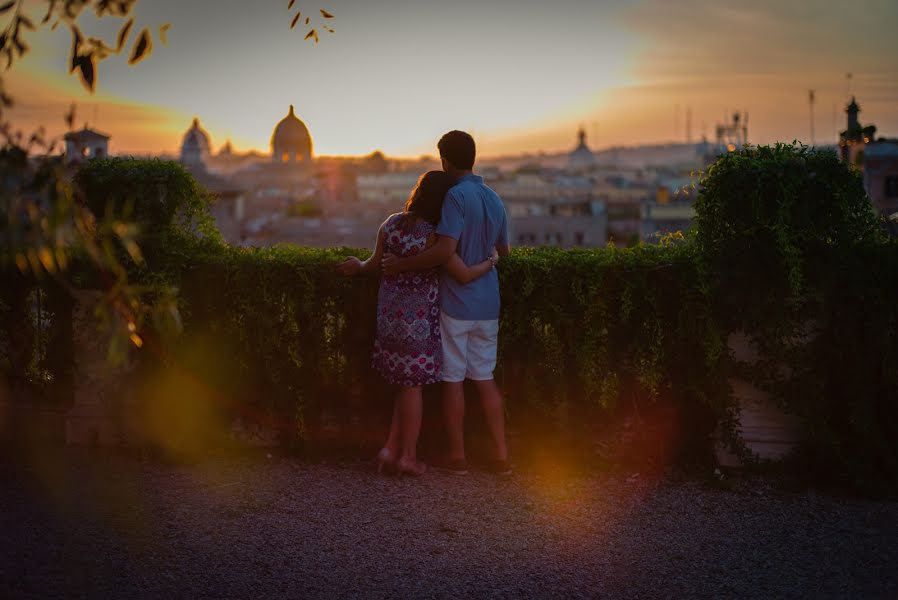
{"x":291,"y":140}
{"x":582,"y":157}
{"x":195,"y":146}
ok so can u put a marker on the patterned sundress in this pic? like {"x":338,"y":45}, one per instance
{"x":408,"y":349}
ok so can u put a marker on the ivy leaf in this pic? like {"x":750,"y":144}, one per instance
{"x":5,"y":8}
{"x":163,"y":34}
{"x":123,"y":34}
{"x":326,"y":14}
{"x":142,"y":47}
{"x":295,"y":19}
{"x":312,"y":34}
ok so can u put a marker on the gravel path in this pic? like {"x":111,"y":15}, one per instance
{"x":82,"y":525}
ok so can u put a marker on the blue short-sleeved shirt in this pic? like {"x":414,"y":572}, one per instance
{"x":474,"y":215}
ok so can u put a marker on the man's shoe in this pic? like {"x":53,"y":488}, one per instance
{"x":451,"y":466}
{"x":499,"y":467}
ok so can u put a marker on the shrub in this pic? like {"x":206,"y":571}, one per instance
{"x":789,"y":246}
{"x":762,"y":212}
{"x":159,"y":196}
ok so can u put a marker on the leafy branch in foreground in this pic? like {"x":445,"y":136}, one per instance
{"x":312,"y":34}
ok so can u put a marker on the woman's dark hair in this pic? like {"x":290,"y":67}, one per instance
{"x":426,"y":200}
{"x":458,"y":148}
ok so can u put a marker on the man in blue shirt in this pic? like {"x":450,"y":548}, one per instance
{"x":473,"y":223}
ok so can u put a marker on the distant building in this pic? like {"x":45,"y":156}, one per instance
{"x":582,"y":158}
{"x":85,"y":144}
{"x":291,"y":141}
{"x":876,"y":158}
{"x":195,"y":146}
{"x":855,"y":137}
{"x":552,"y":210}
{"x":386,"y":191}
{"x":732,"y":135}
{"x":880,"y":164}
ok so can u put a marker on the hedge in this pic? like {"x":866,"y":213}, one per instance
{"x":784,"y":247}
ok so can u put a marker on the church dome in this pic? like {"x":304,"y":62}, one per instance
{"x":582,"y":157}
{"x":291,"y":141}
{"x":195,"y":147}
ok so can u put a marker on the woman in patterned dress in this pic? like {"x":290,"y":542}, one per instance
{"x":408,"y":349}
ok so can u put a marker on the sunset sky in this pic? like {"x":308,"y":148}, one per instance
{"x":521,"y":76}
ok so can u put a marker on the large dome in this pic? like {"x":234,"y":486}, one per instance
{"x":195,"y":145}
{"x":291,"y":140}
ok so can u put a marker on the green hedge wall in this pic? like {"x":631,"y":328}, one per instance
{"x":579,"y":331}
{"x":784,"y":248}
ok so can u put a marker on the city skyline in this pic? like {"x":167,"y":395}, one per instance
{"x":521,"y":78}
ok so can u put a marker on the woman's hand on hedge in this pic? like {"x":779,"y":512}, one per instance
{"x":349,"y":267}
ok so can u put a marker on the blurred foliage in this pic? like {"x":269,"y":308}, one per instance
{"x":87,"y":52}
{"x":46,"y":222}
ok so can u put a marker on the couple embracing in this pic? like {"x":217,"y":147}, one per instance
{"x":438,"y":306}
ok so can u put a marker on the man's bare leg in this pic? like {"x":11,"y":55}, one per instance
{"x":454,"y":415}
{"x":494,"y":413}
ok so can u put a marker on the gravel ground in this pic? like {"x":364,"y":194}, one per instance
{"x":87,"y":525}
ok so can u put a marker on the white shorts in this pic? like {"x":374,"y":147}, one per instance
{"x":469,"y":348}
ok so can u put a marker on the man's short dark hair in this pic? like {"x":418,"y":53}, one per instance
{"x":457,"y":147}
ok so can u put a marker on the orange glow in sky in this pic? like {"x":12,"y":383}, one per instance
{"x":522,"y":77}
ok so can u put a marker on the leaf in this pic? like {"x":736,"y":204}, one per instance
{"x":295,"y":19}
{"x":307,"y":20}
{"x":326,"y":14}
{"x":123,"y":34}
{"x":6,"y":7}
{"x":142,"y":47}
{"x":88,"y":72}
{"x":163,"y":34}
{"x":76,"y":48}
{"x":70,"y":116}
{"x":292,"y":2}
{"x":312,"y":34}
{"x":26,"y":22}
{"x":50,"y":8}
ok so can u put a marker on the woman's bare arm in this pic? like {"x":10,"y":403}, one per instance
{"x":463,"y":273}
{"x":353,"y":266}
{"x":372,"y":265}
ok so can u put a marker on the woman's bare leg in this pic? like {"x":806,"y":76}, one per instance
{"x":393,"y":440}
{"x":410,"y":410}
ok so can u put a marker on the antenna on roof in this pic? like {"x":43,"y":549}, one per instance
{"x":811,"y":108}
{"x":676,"y":122}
